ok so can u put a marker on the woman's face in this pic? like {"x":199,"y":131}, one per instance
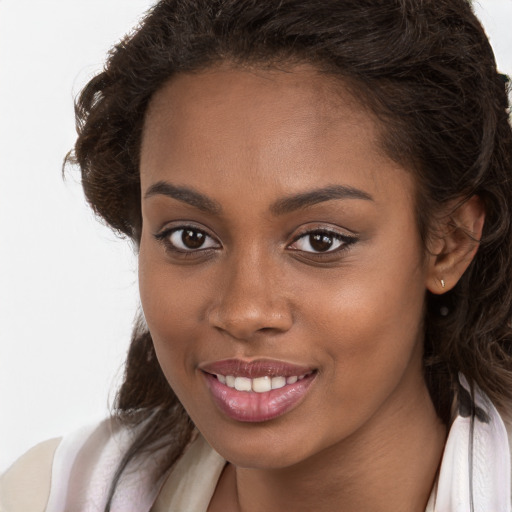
{"x":279,"y":255}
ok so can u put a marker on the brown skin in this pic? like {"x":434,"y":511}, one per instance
{"x":367,"y":428}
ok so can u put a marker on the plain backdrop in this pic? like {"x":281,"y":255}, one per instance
{"x":68,"y":287}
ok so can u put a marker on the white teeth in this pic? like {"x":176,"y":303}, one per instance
{"x":243,"y":384}
{"x":278,"y":382}
{"x":259,"y":384}
{"x":262,"y":384}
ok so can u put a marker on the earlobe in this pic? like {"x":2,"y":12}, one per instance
{"x":454,"y":245}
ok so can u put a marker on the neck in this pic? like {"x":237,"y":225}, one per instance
{"x":388,"y":465}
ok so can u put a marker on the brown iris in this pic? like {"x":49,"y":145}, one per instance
{"x":192,"y":239}
{"x":321,"y":242}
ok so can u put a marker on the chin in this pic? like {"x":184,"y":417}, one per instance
{"x":264,"y":446}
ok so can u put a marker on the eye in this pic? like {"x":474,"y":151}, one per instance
{"x":322,"y":241}
{"x":187,"y":239}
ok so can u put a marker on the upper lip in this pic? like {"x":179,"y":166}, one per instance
{"x":255,"y":369}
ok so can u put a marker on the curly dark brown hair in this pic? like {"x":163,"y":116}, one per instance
{"x":423,"y":67}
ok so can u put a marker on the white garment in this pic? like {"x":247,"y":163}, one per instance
{"x":475,"y":470}
{"x":191,"y":483}
{"x":474,"y":474}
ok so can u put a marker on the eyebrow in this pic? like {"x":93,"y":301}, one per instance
{"x":299,"y":201}
{"x":280,"y":207}
{"x":185,"y":195}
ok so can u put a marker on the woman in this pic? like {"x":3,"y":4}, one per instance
{"x":320,"y":196}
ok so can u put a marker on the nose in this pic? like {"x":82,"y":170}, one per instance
{"x":251,"y":300}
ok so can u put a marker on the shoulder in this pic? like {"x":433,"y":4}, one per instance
{"x":40,"y":478}
{"x":25,"y":486}
{"x":192,"y":481}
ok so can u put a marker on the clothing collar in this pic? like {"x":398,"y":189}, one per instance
{"x":475,"y":469}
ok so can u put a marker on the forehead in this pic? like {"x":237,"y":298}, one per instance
{"x":224,"y":84}
{"x":296,"y":128}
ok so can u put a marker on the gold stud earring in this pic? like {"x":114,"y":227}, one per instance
{"x":443,"y":284}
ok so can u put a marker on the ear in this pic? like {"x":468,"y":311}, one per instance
{"x":454,"y":244}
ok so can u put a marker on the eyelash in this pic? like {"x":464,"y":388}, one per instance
{"x":165,"y":238}
{"x":344,"y":241}
{"x":330,"y":236}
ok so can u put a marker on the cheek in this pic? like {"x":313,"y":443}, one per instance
{"x":169,"y":294}
{"x":170,"y":312}
{"x":366,"y":324}
{"x":370,"y":327}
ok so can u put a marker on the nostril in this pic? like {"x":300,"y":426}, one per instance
{"x":242,"y":315}
{"x":266,"y":329}
{"x":246,"y":326}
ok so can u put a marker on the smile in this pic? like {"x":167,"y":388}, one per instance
{"x":257,"y":391}
{"x":260,"y":384}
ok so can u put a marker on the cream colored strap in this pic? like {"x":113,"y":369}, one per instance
{"x":63,"y":461}
{"x":475,"y":471}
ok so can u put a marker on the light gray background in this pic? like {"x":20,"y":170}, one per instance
{"x":68,"y":287}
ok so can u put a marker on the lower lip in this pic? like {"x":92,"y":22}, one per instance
{"x":257,"y":407}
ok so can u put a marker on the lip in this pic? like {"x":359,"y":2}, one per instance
{"x":255,"y":369}
{"x":257,"y":407}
